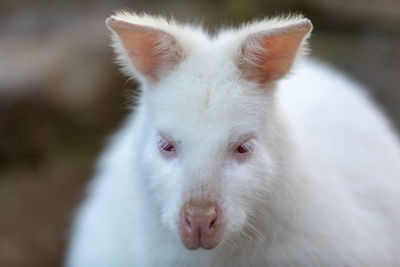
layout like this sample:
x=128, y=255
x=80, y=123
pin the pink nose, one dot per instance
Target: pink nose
x=200, y=225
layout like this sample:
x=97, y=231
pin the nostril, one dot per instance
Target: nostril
x=187, y=222
x=212, y=223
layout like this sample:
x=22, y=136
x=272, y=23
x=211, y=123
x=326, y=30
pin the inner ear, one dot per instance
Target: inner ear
x=268, y=55
x=151, y=52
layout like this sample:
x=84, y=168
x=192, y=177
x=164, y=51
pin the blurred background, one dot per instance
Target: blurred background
x=61, y=95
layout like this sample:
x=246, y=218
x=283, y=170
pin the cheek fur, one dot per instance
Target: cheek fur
x=163, y=180
x=170, y=212
x=165, y=193
x=246, y=187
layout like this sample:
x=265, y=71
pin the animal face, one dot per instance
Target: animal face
x=210, y=148
x=207, y=147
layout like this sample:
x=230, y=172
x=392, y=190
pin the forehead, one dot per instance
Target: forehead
x=204, y=96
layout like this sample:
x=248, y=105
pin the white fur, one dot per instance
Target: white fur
x=322, y=187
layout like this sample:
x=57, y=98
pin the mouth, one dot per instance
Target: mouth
x=194, y=239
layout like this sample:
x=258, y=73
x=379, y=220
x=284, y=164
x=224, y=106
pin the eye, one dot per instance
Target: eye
x=245, y=147
x=165, y=145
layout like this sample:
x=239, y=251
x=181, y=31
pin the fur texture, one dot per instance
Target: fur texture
x=320, y=188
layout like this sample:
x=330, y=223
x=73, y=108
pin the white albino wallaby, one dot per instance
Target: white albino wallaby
x=229, y=161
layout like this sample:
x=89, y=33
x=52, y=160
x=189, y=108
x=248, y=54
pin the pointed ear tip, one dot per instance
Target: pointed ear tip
x=307, y=24
x=113, y=22
x=110, y=21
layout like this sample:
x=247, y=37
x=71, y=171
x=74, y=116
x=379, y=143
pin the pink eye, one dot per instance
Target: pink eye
x=165, y=145
x=166, y=148
x=242, y=149
x=245, y=147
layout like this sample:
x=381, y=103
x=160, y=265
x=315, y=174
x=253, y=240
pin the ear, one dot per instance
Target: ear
x=268, y=55
x=144, y=51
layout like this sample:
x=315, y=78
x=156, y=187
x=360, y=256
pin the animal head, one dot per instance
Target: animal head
x=210, y=148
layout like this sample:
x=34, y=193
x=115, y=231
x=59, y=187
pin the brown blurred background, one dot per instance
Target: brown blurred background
x=61, y=95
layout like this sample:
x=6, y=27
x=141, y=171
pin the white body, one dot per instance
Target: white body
x=337, y=203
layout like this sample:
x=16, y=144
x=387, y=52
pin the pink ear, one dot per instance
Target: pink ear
x=152, y=52
x=268, y=55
